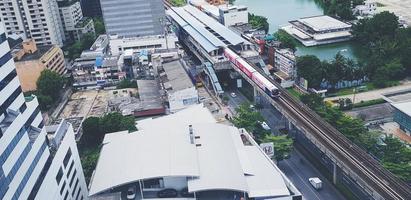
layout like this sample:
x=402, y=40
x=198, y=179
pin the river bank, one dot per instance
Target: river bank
x=279, y=12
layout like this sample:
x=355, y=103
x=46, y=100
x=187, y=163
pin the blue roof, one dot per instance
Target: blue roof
x=99, y=62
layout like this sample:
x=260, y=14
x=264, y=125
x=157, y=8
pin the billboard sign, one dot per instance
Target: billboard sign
x=268, y=148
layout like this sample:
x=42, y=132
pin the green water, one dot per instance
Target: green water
x=279, y=12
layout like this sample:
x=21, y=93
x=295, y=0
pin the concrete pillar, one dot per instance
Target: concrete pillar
x=290, y=126
x=335, y=167
x=255, y=95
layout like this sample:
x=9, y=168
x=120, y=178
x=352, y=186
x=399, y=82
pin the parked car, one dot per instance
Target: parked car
x=167, y=193
x=233, y=95
x=316, y=182
x=131, y=193
x=265, y=126
x=184, y=193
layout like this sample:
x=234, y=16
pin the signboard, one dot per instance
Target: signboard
x=239, y=83
x=268, y=148
x=304, y=83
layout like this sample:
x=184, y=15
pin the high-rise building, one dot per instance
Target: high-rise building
x=91, y=8
x=129, y=18
x=36, y=161
x=74, y=24
x=33, y=19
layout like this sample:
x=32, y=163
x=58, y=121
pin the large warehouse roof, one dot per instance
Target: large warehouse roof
x=214, y=156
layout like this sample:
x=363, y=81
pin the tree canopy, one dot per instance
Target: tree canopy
x=287, y=41
x=250, y=120
x=49, y=86
x=258, y=22
x=392, y=152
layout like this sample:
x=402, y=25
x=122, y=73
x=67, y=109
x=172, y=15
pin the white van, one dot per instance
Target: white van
x=316, y=182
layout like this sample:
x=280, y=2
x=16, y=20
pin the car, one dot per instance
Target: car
x=316, y=182
x=184, y=193
x=233, y=95
x=131, y=193
x=167, y=193
x=265, y=126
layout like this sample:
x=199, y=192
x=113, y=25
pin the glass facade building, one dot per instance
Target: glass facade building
x=131, y=18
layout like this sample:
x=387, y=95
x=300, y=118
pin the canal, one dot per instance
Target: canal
x=279, y=12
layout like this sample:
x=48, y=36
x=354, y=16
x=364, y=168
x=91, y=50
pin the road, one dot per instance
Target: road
x=296, y=168
x=373, y=94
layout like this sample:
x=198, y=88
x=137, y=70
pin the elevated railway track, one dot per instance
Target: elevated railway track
x=377, y=181
x=353, y=161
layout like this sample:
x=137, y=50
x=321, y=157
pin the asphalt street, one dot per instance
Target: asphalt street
x=297, y=168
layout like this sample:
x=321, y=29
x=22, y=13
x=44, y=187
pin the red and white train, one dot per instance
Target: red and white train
x=243, y=67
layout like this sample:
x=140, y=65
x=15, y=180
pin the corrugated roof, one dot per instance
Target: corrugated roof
x=222, y=30
x=198, y=26
x=204, y=42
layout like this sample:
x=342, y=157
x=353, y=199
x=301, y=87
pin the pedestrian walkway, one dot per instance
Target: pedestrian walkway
x=374, y=94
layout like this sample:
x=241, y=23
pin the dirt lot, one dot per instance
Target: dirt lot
x=85, y=103
x=399, y=7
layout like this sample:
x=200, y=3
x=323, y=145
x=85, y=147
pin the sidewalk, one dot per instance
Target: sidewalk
x=374, y=94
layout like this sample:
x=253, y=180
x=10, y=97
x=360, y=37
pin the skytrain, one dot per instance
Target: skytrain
x=243, y=66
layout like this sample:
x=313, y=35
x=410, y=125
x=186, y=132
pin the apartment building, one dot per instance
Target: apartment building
x=31, y=60
x=91, y=8
x=74, y=24
x=31, y=155
x=39, y=20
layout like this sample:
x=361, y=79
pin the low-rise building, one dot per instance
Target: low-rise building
x=177, y=85
x=193, y=156
x=369, y=8
x=31, y=60
x=318, y=30
x=228, y=15
x=402, y=115
x=149, y=43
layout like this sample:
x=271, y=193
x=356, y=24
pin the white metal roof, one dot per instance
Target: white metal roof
x=217, y=160
x=222, y=30
x=404, y=107
x=322, y=23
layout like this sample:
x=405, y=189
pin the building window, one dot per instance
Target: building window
x=72, y=178
x=62, y=188
x=67, y=157
x=59, y=175
x=70, y=168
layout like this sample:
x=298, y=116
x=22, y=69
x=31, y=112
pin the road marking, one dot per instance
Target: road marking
x=303, y=181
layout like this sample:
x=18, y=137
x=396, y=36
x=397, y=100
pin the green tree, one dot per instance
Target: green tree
x=283, y=146
x=99, y=26
x=310, y=68
x=400, y=170
x=287, y=41
x=92, y=134
x=388, y=72
x=49, y=84
x=370, y=30
x=45, y=102
x=127, y=83
x=250, y=120
x=258, y=22
x=115, y=121
x=314, y=101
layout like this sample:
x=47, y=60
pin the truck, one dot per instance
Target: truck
x=316, y=182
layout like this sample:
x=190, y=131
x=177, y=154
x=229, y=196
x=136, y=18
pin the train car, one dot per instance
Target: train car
x=265, y=85
x=245, y=67
x=231, y=55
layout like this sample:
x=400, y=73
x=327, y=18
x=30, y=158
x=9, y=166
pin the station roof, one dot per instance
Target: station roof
x=404, y=107
x=223, y=31
x=323, y=23
x=215, y=157
x=196, y=29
